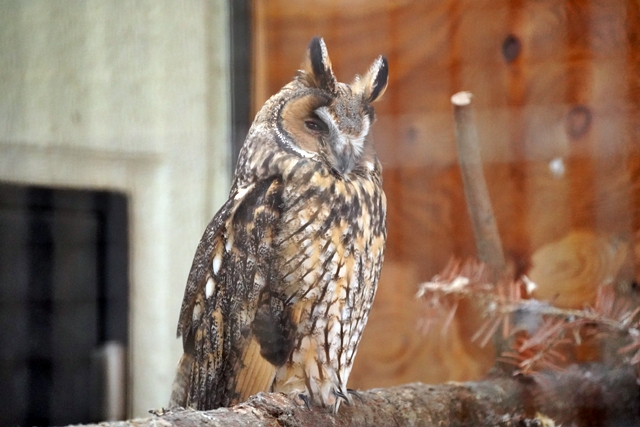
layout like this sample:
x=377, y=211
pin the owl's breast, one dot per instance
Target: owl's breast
x=329, y=223
x=331, y=246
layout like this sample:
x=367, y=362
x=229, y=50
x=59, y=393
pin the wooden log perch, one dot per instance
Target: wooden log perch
x=577, y=396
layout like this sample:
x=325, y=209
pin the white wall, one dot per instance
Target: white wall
x=130, y=96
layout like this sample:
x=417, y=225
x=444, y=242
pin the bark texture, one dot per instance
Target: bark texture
x=579, y=396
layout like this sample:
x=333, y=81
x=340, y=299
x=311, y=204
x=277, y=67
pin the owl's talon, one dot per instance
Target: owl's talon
x=305, y=399
x=343, y=396
x=355, y=393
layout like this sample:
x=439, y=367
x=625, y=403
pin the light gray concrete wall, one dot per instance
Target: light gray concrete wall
x=130, y=96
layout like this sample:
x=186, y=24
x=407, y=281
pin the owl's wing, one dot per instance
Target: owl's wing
x=231, y=267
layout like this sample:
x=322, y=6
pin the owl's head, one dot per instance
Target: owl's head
x=322, y=118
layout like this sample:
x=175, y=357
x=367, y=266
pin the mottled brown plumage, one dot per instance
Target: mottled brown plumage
x=285, y=274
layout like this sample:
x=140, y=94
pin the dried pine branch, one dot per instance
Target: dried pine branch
x=539, y=332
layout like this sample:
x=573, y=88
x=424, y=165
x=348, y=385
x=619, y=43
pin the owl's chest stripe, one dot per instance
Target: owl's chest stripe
x=322, y=297
x=303, y=227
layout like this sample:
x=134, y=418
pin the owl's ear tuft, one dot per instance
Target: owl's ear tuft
x=316, y=68
x=375, y=81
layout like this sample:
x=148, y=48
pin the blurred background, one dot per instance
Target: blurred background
x=120, y=123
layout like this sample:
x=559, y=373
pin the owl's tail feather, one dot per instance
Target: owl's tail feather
x=257, y=373
x=180, y=388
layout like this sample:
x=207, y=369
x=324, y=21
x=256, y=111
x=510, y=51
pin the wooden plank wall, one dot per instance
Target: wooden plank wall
x=556, y=87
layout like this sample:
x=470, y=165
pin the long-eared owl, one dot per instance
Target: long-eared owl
x=285, y=274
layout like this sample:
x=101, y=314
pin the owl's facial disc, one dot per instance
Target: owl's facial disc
x=334, y=128
x=302, y=124
x=344, y=145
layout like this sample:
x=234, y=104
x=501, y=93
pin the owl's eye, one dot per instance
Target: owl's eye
x=315, y=124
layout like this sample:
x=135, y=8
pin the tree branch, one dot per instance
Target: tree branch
x=578, y=396
x=485, y=227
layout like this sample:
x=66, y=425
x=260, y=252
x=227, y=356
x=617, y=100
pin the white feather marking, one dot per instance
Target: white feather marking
x=208, y=290
x=286, y=141
x=327, y=276
x=308, y=263
x=310, y=279
x=358, y=145
x=358, y=142
x=197, y=311
x=217, y=261
x=310, y=249
x=242, y=192
x=323, y=113
x=346, y=312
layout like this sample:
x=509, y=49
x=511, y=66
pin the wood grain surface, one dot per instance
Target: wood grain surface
x=557, y=96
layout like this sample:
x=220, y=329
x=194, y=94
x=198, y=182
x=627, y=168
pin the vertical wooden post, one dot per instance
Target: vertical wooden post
x=485, y=228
